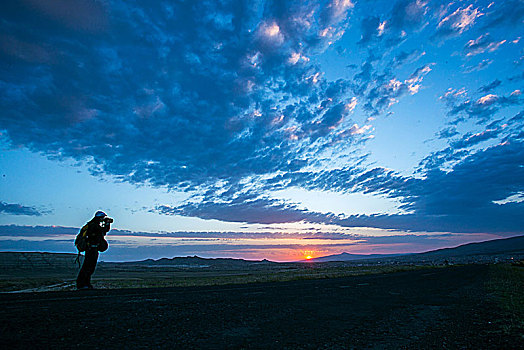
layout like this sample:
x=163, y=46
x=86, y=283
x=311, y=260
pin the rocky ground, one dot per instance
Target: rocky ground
x=446, y=308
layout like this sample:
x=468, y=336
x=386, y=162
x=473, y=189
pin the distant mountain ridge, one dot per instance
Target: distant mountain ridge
x=482, y=252
x=496, y=246
x=503, y=246
x=194, y=260
x=37, y=260
x=350, y=257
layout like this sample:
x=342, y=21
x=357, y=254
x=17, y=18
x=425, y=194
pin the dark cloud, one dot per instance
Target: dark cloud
x=517, y=77
x=461, y=199
x=126, y=249
x=478, y=67
x=370, y=29
x=225, y=100
x=405, y=57
x=36, y=231
x=381, y=89
x=447, y=132
x=456, y=21
x=442, y=158
x=484, y=43
x=18, y=209
x=223, y=85
x=481, y=109
x=408, y=14
x=491, y=86
x=387, y=89
x=470, y=140
x=507, y=13
x=262, y=211
x=79, y=15
x=519, y=117
x=61, y=231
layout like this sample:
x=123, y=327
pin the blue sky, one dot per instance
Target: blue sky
x=261, y=129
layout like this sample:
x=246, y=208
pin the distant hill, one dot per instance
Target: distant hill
x=484, y=252
x=505, y=247
x=350, y=257
x=498, y=246
x=10, y=261
x=195, y=261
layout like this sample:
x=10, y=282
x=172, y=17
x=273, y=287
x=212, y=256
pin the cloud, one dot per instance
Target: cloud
x=480, y=66
x=18, y=209
x=457, y=22
x=406, y=16
x=227, y=101
x=222, y=86
x=482, y=44
x=462, y=198
x=406, y=57
x=480, y=109
x=251, y=245
x=470, y=140
x=458, y=199
x=447, y=132
x=371, y=29
x=261, y=211
x=81, y=15
x=517, y=77
x=387, y=89
x=335, y=11
x=491, y=86
x=518, y=117
x=444, y=201
x=505, y=13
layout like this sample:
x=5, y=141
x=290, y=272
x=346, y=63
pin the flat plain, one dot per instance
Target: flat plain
x=454, y=307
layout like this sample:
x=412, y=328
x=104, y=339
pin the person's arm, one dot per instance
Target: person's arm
x=98, y=230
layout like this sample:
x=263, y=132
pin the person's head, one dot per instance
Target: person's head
x=100, y=215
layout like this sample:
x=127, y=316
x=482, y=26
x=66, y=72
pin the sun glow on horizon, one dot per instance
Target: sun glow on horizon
x=309, y=254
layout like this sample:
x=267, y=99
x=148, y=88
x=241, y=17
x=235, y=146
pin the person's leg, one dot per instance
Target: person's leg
x=88, y=267
x=81, y=280
x=91, y=258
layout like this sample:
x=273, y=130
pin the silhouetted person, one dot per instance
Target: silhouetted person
x=95, y=242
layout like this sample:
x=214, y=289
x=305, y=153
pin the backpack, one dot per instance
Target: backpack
x=81, y=239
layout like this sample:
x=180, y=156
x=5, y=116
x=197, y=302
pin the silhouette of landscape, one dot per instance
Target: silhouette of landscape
x=262, y=174
x=428, y=300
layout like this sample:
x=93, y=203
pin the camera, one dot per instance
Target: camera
x=106, y=222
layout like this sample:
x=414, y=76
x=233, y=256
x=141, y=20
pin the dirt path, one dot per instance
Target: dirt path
x=434, y=308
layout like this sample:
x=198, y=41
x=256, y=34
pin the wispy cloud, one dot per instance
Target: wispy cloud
x=491, y=86
x=405, y=17
x=231, y=101
x=219, y=88
x=457, y=22
x=249, y=245
x=505, y=13
x=483, y=43
x=385, y=90
x=479, y=66
x=18, y=209
x=481, y=108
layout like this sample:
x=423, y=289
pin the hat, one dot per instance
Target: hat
x=100, y=214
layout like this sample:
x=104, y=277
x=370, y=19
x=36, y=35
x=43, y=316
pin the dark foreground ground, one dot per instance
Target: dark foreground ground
x=442, y=308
